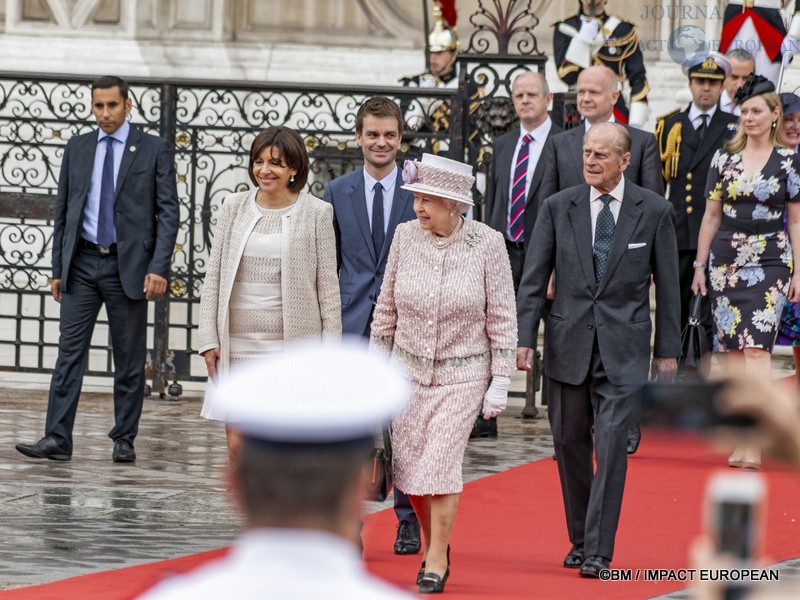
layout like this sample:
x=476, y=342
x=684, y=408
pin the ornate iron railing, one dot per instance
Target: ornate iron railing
x=210, y=125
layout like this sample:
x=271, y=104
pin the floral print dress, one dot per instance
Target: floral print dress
x=749, y=275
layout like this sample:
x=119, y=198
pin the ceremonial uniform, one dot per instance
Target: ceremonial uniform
x=686, y=152
x=615, y=45
x=758, y=27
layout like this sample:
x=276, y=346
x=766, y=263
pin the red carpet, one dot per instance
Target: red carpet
x=510, y=535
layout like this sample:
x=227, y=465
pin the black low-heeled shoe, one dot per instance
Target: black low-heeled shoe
x=421, y=573
x=432, y=583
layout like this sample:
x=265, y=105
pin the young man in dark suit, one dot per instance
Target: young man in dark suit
x=605, y=239
x=687, y=141
x=114, y=230
x=368, y=205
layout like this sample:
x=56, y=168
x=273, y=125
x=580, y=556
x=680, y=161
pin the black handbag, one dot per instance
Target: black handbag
x=380, y=483
x=693, y=340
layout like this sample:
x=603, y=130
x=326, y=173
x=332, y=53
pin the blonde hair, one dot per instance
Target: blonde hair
x=739, y=140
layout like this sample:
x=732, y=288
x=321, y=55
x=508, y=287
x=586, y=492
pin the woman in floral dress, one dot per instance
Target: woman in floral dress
x=743, y=246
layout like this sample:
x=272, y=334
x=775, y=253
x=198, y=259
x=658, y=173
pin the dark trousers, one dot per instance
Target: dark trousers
x=516, y=256
x=592, y=500
x=402, y=505
x=94, y=281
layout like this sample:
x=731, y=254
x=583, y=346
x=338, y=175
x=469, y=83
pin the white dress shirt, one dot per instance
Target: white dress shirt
x=534, y=154
x=727, y=105
x=695, y=115
x=596, y=205
x=388, y=184
x=588, y=125
x=286, y=564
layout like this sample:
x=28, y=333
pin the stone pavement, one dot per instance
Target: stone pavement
x=59, y=520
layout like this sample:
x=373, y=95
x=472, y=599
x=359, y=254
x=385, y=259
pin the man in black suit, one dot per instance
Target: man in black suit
x=605, y=239
x=516, y=169
x=563, y=154
x=114, y=230
x=687, y=141
x=363, y=238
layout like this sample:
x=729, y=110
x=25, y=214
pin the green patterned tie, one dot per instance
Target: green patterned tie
x=603, y=234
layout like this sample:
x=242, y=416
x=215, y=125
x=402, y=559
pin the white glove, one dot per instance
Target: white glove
x=496, y=397
x=789, y=45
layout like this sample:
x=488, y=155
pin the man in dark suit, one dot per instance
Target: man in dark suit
x=114, y=230
x=687, y=141
x=516, y=169
x=605, y=239
x=368, y=205
x=563, y=154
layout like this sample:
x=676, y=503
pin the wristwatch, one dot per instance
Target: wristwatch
x=699, y=265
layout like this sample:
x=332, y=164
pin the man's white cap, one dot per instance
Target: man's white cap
x=321, y=394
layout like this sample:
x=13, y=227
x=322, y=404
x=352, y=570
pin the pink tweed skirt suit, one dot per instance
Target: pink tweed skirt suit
x=447, y=317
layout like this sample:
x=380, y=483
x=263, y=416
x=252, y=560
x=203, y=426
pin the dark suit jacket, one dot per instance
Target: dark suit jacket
x=499, y=181
x=360, y=271
x=145, y=208
x=563, y=162
x=618, y=310
x=687, y=188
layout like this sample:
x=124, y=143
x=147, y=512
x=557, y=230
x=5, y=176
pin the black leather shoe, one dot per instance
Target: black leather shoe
x=421, y=573
x=634, y=437
x=407, y=540
x=592, y=566
x=484, y=428
x=44, y=448
x=432, y=583
x=123, y=452
x=574, y=559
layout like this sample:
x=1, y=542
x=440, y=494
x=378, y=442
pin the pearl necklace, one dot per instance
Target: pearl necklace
x=449, y=239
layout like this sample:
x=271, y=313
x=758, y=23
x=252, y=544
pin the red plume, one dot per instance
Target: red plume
x=449, y=13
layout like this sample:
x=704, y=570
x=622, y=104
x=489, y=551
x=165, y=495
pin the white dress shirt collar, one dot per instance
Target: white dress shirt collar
x=695, y=112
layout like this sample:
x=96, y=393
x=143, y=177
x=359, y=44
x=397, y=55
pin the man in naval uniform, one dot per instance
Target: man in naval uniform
x=300, y=477
x=687, y=141
x=592, y=37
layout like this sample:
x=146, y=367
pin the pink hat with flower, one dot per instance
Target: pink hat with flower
x=439, y=176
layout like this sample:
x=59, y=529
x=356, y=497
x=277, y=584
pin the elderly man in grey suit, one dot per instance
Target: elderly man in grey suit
x=562, y=155
x=605, y=239
x=368, y=204
x=116, y=220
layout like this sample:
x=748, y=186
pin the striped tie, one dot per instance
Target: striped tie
x=516, y=220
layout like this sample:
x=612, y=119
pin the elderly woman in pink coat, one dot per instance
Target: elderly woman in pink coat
x=446, y=315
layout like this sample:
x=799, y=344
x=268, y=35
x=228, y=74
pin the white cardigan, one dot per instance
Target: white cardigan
x=309, y=282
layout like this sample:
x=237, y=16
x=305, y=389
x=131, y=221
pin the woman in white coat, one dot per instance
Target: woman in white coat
x=272, y=276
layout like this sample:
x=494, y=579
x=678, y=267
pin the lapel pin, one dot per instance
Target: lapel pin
x=132, y=148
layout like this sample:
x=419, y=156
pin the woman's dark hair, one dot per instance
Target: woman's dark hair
x=291, y=151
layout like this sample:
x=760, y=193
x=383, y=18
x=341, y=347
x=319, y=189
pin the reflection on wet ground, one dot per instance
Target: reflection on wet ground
x=59, y=520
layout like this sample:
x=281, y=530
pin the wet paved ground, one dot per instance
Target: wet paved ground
x=59, y=520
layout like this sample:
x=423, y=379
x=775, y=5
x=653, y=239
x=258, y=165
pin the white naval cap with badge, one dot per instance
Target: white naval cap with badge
x=314, y=395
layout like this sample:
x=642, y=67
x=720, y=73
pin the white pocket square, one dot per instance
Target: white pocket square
x=635, y=246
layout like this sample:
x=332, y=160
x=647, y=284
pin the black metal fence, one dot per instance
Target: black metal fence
x=210, y=125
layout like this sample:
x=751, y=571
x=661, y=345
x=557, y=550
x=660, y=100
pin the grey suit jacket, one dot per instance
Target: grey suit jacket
x=563, y=162
x=145, y=208
x=360, y=270
x=499, y=180
x=617, y=311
